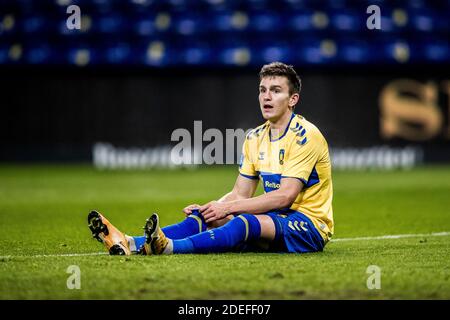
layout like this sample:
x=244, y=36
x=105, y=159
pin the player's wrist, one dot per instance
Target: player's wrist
x=233, y=207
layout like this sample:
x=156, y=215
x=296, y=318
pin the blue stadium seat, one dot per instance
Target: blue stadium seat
x=354, y=51
x=189, y=24
x=82, y=55
x=316, y=51
x=182, y=5
x=426, y=20
x=268, y=51
x=307, y=20
x=9, y=24
x=119, y=53
x=435, y=50
x=396, y=51
x=38, y=52
x=233, y=53
x=213, y=5
x=156, y=53
x=151, y=23
x=34, y=24
x=347, y=20
x=258, y=5
x=296, y=4
x=265, y=21
x=223, y=32
x=7, y=56
x=227, y=21
x=141, y=5
x=195, y=53
x=110, y=23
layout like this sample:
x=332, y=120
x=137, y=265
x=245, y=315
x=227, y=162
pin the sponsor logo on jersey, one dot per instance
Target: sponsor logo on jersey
x=272, y=185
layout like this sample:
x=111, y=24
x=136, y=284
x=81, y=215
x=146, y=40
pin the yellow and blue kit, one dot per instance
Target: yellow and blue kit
x=301, y=152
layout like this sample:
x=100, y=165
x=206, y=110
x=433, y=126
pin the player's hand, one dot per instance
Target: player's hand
x=188, y=210
x=214, y=210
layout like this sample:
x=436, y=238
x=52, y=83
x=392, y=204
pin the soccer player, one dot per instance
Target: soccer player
x=289, y=155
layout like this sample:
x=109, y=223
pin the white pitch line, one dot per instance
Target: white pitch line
x=58, y=255
x=395, y=236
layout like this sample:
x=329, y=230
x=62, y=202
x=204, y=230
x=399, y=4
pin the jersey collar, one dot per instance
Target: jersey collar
x=285, y=131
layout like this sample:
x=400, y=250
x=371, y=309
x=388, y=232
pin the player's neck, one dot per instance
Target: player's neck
x=278, y=127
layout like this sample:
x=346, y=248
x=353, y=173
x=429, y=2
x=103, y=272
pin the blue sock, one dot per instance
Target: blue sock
x=242, y=228
x=139, y=242
x=193, y=224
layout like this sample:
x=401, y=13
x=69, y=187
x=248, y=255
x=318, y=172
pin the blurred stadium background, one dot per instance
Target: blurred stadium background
x=113, y=91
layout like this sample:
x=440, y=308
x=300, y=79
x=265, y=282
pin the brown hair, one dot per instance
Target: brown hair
x=283, y=70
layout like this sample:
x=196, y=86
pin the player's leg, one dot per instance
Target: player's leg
x=241, y=229
x=102, y=230
x=193, y=224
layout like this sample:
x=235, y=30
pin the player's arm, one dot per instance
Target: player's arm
x=244, y=188
x=277, y=199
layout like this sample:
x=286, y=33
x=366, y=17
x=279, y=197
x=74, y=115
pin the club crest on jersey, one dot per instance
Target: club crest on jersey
x=261, y=156
x=281, y=156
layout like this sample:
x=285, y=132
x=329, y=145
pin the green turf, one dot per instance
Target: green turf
x=43, y=212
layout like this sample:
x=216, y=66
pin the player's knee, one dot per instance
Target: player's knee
x=251, y=225
x=219, y=223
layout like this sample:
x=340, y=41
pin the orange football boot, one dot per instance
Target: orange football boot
x=106, y=233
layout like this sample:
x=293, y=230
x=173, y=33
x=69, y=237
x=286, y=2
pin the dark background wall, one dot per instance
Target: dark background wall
x=58, y=114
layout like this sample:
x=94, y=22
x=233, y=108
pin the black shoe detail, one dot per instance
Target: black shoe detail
x=151, y=224
x=150, y=227
x=116, y=250
x=96, y=225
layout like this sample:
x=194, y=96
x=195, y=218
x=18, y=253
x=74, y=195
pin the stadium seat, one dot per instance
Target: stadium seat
x=117, y=53
x=426, y=20
x=199, y=53
x=234, y=53
x=265, y=52
x=354, y=51
x=189, y=24
x=265, y=21
x=151, y=23
x=347, y=20
x=227, y=21
x=307, y=20
x=224, y=32
x=316, y=51
x=435, y=50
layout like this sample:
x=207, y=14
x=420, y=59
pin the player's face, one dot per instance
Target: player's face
x=274, y=97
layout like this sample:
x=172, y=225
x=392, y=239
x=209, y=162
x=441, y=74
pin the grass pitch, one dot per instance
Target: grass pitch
x=43, y=213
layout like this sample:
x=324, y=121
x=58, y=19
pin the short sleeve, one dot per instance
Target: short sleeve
x=302, y=158
x=246, y=164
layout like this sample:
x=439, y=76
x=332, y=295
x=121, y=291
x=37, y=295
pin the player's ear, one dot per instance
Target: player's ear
x=293, y=100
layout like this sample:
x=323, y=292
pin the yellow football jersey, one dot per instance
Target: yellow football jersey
x=300, y=152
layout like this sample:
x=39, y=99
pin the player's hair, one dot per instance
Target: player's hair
x=283, y=70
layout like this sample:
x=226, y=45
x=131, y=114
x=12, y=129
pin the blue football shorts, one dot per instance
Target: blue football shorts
x=295, y=232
